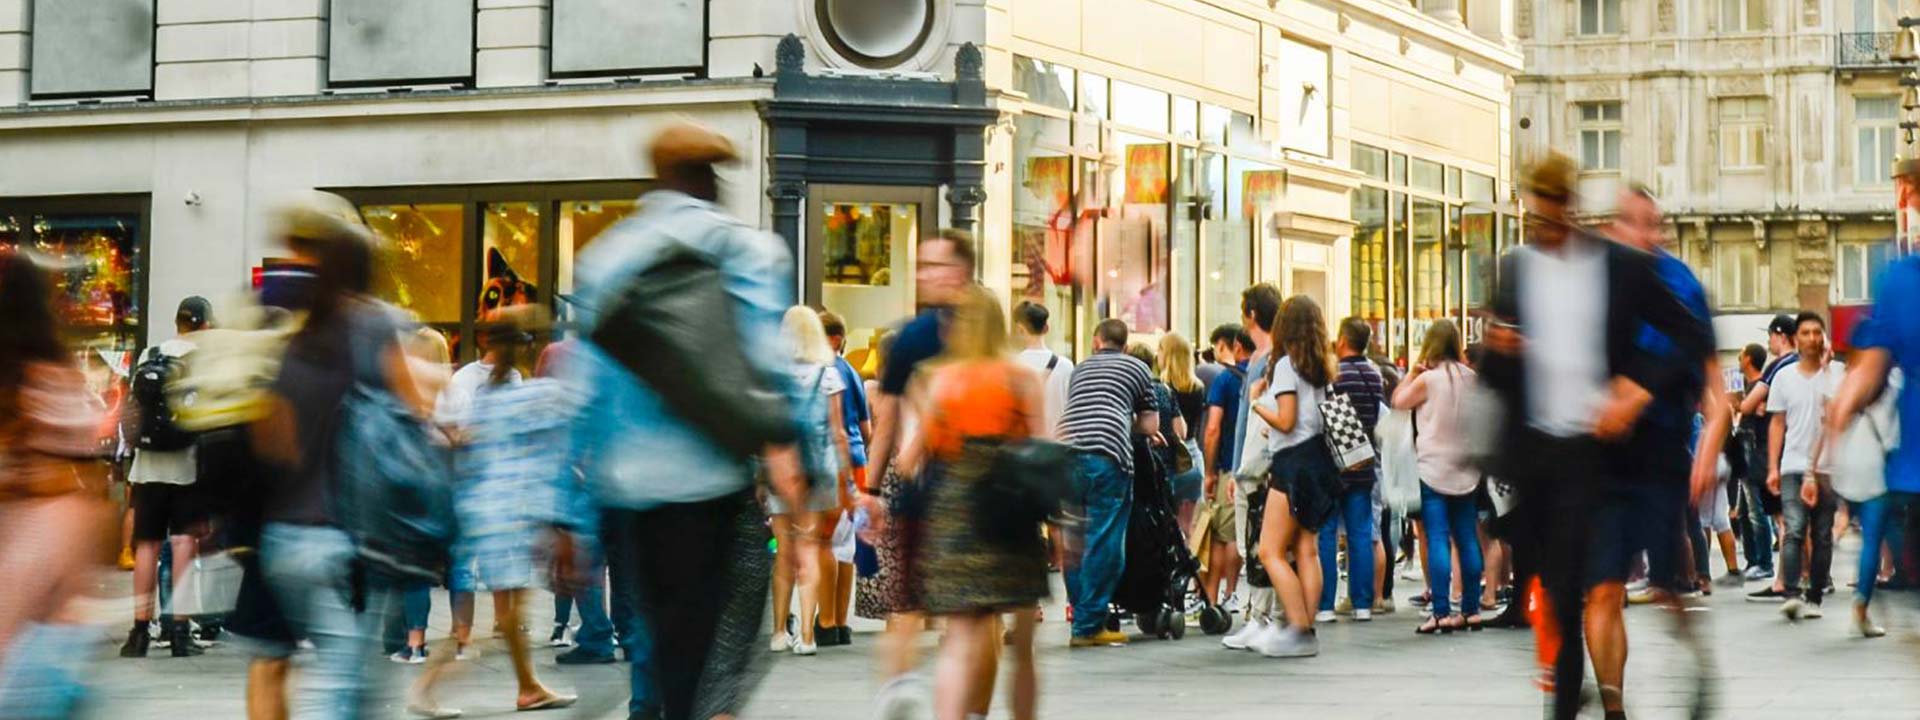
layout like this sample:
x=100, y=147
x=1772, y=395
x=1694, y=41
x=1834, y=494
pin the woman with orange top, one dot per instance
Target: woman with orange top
x=55, y=529
x=975, y=401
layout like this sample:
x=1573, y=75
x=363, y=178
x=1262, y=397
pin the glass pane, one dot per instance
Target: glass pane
x=1044, y=83
x=96, y=295
x=1370, y=160
x=580, y=222
x=1370, y=260
x=1041, y=129
x=1611, y=158
x=1425, y=175
x=1878, y=255
x=1186, y=118
x=1852, y=272
x=1476, y=233
x=1477, y=188
x=1398, y=170
x=510, y=240
x=1139, y=107
x=1453, y=182
x=1610, y=16
x=1397, y=313
x=1186, y=245
x=1429, y=268
x=1589, y=16
x=1213, y=123
x=1093, y=95
x=426, y=255
x=1226, y=264
x=1043, y=234
x=1133, y=243
x=865, y=252
x=1243, y=134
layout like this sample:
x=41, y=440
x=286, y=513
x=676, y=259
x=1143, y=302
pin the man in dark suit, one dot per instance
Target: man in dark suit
x=1573, y=381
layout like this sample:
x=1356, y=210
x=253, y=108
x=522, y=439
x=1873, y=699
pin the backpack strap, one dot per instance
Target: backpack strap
x=1053, y=361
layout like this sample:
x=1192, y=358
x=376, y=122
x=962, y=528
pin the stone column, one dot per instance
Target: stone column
x=289, y=48
x=202, y=49
x=1445, y=10
x=510, y=41
x=1812, y=264
x=15, y=37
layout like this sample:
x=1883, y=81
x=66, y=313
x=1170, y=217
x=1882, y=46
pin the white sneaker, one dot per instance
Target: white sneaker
x=1362, y=615
x=781, y=642
x=805, y=648
x=1325, y=616
x=465, y=653
x=1290, y=644
x=1812, y=612
x=1269, y=634
x=1791, y=609
x=1237, y=640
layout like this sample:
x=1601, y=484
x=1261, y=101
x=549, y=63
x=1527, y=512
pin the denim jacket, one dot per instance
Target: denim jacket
x=633, y=451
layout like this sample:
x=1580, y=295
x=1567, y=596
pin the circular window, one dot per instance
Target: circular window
x=875, y=33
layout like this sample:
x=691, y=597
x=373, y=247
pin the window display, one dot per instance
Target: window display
x=1370, y=261
x=1043, y=224
x=1132, y=283
x=96, y=258
x=581, y=221
x=510, y=237
x=857, y=242
x=424, y=259
x=1429, y=264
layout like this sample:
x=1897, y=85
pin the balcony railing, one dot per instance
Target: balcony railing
x=1866, y=50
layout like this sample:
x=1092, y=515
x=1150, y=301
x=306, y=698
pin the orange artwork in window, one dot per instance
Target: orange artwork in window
x=1146, y=174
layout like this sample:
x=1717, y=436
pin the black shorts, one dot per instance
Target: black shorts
x=161, y=510
x=1637, y=516
x=1305, y=473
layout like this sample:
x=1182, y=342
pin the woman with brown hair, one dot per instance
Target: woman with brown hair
x=1447, y=482
x=54, y=526
x=1302, y=480
x=975, y=401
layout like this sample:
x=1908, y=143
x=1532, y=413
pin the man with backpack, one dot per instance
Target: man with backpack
x=167, y=507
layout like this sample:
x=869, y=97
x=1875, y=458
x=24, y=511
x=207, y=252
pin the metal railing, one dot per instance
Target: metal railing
x=1865, y=49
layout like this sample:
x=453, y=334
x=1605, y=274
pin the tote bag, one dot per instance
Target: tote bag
x=1255, y=456
x=1858, y=461
x=1346, y=436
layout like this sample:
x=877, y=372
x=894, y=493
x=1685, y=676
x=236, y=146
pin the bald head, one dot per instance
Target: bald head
x=1637, y=220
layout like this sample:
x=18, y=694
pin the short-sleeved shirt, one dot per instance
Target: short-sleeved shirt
x=1894, y=326
x=1056, y=379
x=1803, y=398
x=853, y=409
x=1307, y=420
x=1672, y=410
x=321, y=365
x=1757, y=422
x=1257, y=367
x=1225, y=393
x=1360, y=381
x=917, y=342
x=1107, y=391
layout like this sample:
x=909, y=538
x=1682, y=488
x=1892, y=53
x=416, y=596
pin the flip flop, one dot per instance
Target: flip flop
x=550, y=702
x=433, y=712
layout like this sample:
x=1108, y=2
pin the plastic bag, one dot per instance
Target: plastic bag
x=1857, y=460
x=1399, y=468
x=843, y=539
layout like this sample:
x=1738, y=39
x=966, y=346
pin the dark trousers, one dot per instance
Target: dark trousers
x=684, y=561
x=1559, y=481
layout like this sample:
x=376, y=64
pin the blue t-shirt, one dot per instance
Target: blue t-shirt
x=1894, y=325
x=853, y=408
x=917, y=342
x=1224, y=393
x=1673, y=407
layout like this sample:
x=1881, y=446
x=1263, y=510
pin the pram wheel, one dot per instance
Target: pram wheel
x=1214, y=620
x=1113, y=621
x=1149, y=623
x=1173, y=623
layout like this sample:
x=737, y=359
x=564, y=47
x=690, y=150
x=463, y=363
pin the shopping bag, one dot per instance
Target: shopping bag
x=1202, y=530
x=1399, y=468
x=1857, y=460
x=211, y=586
x=843, y=539
x=1255, y=456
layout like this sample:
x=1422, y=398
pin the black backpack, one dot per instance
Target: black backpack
x=150, y=379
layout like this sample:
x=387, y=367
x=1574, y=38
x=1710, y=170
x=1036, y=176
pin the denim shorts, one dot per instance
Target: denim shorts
x=1305, y=473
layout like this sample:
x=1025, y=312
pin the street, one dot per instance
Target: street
x=1767, y=669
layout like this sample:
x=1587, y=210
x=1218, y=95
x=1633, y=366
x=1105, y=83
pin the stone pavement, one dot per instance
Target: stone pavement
x=1768, y=669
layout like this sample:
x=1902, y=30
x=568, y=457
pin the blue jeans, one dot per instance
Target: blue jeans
x=1451, y=521
x=1759, y=536
x=1875, y=527
x=1106, y=492
x=1354, y=513
x=597, y=629
x=309, y=569
x=416, y=604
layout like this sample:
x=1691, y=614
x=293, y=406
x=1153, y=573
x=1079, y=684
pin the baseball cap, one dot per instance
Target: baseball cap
x=1782, y=324
x=194, y=310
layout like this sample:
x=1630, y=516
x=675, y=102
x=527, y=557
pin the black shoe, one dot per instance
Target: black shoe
x=181, y=635
x=137, y=642
x=579, y=656
x=208, y=632
x=1767, y=595
x=845, y=633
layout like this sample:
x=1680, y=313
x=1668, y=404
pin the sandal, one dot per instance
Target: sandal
x=1432, y=626
x=552, y=701
x=1454, y=623
x=1474, y=624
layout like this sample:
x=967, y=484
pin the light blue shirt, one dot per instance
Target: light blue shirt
x=634, y=452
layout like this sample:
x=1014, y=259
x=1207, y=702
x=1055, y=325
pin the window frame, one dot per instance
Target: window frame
x=1858, y=287
x=1732, y=255
x=1747, y=22
x=1746, y=128
x=1608, y=132
x=1606, y=18
x=1881, y=178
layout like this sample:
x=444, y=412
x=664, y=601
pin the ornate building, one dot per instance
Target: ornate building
x=1767, y=129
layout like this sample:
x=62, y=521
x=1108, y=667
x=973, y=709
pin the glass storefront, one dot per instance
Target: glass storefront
x=453, y=255
x=1425, y=245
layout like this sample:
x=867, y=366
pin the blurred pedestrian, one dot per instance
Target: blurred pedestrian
x=836, y=578
x=1111, y=397
x=977, y=399
x=55, y=531
x=1435, y=393
x=508, y=499
x=799, y=532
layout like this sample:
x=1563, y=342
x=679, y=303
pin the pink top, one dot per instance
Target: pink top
x=1440, y=440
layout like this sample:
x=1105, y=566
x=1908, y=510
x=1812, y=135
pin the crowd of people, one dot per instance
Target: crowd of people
x=1583, y=454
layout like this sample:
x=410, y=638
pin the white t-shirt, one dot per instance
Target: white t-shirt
x=1566, y=370
x=804, y=377
x=170, y=467
x=1804, y=399
x=456, y=399
x=1307, y=422
x=1056, y=382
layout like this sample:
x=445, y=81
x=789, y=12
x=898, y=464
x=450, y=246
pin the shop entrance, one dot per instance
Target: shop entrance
x=859, y=253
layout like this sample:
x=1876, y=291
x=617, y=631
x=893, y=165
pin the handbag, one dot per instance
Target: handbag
x=211, y=587
x=1255, y=457
x=1186, y=456
x=1346, y=436
x=660, y=328
x=1028, y=482
x=1399, y=467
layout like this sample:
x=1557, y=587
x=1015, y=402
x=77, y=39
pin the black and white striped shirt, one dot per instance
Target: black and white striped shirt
x=1106, y=392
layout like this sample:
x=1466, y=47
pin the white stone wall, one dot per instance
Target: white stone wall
x=15, y=48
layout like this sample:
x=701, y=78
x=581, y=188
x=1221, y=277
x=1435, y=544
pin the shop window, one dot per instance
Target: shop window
x=1398, y=270
x=1093, y=95
x=1426, y=175
x=426, y=255
x=1254, y=193
x=1861, y=264
x=1476, y=188
x=96, y=297
x=1743, y=133
x=88, y=48
x=1043, y=225
x=1226, y=253
x=1599, y=17
x=1188, y=183
x=1600, y=136
x=580, y=222
x=858, y=245
x=1736, y=274
x=1186, y=119
x=1133, y=255
x=1427, y=223
x=1213, y=123
x=1139, y=107
x=1453, y=182
x=1397, y=169
x=1876, y=122
x=1244, y=134
x=1370, y=161
x=1477, y=237
x=1045, y=83
x=510, y=241
x=611, y=37
x=1370, y=253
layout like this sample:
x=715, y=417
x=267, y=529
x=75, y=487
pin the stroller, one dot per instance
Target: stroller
x=1159, y=569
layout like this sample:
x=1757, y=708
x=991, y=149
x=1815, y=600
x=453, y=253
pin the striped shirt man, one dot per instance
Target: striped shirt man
x=1361, y=383
x=1106, y=393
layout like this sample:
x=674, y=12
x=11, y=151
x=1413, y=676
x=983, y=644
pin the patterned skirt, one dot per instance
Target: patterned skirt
x=965, y=570
x=895, y=588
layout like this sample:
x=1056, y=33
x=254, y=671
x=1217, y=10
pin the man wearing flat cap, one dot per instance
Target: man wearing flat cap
x=680, y=520
x=1572, y=381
